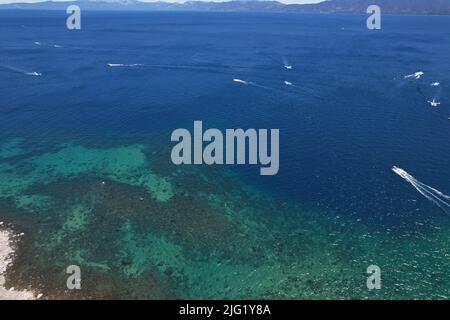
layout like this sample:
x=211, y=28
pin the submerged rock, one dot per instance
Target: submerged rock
x=127, y=262
x=169, y=271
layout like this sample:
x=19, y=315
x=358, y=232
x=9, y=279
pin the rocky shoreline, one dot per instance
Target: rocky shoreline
x=7, y=239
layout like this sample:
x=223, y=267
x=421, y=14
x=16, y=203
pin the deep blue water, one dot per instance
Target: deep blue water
x=350, y=117
x=339, y=137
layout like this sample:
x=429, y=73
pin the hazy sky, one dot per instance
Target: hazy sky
x=284, y=1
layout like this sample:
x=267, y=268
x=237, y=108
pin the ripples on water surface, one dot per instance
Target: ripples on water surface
x=85, y=170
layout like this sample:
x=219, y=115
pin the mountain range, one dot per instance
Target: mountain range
x=411, y=7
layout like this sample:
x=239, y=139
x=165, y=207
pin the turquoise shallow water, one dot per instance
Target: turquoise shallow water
x=85, y=167
x=137, y=233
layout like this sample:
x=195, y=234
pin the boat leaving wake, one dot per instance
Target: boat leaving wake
x=18, y=70
x=416, y=75
x=34, y=73
x=240, y=81
x=437, y=197
x=251, y=83
x=115, y=65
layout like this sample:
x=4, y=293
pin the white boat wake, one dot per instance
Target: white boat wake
x=34, y=73
x=116, y=65
x=18, y=70
x=415, y=75
x=241, y=81
x=286, y=64
x=434, y=103
x=434, y=195
x=424, y=90
x=250, y=83
x=286, y=83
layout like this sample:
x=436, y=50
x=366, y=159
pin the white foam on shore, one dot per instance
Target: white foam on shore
x=6, y=253
x=435, y=196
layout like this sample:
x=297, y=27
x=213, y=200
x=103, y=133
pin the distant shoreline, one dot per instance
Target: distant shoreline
x=219, y=11
x=388, y=7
